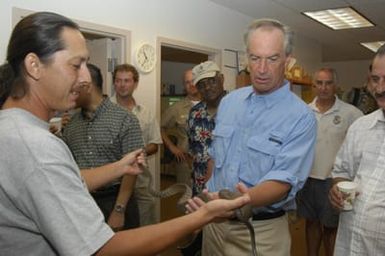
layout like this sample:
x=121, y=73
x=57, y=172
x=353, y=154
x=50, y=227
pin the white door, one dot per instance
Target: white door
x=106, y=54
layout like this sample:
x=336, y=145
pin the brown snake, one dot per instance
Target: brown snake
x=177, y=188
x=242, y=214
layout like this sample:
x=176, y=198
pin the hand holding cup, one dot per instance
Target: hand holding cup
x=348, y=190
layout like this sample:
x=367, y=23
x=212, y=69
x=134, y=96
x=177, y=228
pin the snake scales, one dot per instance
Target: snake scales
x=177, y=188
x=242, y=214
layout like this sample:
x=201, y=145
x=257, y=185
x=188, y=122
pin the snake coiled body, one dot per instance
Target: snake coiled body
x=177, y=188
x=242, y=214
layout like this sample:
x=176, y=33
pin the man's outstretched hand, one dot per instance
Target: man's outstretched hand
x=219, y=209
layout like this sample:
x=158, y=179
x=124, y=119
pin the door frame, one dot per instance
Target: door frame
x=99, y=30
x=212, y=53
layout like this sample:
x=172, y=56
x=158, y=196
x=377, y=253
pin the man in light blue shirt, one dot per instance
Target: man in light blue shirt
x=264, y=138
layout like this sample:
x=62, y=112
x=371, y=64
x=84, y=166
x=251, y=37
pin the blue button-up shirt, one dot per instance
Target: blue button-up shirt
x=263, y=137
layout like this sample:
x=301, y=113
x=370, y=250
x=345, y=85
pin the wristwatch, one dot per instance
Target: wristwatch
x=119, y=208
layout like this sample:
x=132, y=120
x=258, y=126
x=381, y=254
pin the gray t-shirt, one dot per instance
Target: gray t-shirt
x=45, y=208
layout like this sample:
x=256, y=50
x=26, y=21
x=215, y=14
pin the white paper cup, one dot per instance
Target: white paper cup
x=56, y=121
x=348, y=189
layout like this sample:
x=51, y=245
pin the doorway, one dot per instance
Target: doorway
x=175, y=58
x=174, y=62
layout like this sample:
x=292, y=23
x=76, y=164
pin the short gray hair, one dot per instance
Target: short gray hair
x=332, y=71
x=287, y=33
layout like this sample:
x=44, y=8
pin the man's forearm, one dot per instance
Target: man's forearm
x=166, y=140
x=101, y=176
x=126, y=188
x=268, y=192
x=151, y=149
x=153, y=239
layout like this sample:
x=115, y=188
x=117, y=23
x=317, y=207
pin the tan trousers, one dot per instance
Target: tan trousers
x=232, y=238
x=146, y=205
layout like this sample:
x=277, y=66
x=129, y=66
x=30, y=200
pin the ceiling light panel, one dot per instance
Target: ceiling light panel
x=373, y=46
x=341, y=18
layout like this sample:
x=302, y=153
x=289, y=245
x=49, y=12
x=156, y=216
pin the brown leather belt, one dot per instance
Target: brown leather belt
x=268, y=215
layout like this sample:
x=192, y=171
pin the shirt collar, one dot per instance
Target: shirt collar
x=25, y=116
x=378, y=117
x=137, y=109
x=336, y=106
x=101, y=108
x=113, y=99
x=269, y=99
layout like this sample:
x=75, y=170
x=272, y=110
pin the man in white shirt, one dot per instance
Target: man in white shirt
x=126, y=79
x=334, y=118
x=362, y=159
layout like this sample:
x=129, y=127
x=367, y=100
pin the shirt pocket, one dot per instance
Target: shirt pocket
x=261, y=154
x=222, y=135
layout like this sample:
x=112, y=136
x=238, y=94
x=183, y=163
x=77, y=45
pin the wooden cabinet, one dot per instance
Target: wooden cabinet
x=303, y=88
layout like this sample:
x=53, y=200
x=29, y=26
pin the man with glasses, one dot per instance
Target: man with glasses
x=334, y=118
x=209, y=82
x=201, y=121
x=264, y=138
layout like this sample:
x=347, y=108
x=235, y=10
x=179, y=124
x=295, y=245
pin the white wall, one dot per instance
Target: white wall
x=308, y=53
x=200, y=22
x=177, y=19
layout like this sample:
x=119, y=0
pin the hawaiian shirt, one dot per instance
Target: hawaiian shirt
x=199, y=129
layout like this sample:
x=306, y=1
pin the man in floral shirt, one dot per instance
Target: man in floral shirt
x=209, y=82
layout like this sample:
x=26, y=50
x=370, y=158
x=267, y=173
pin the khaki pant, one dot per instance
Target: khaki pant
x=146, y=205
x=232, y=238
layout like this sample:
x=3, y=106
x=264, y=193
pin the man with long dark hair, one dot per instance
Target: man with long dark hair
x=45, y=208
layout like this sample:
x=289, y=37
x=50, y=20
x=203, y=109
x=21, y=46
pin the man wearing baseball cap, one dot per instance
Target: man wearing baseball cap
x=201, y=121
x=209, y=81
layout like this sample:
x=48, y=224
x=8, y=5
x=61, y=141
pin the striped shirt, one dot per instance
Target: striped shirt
x=362, y=159
x=105, y=137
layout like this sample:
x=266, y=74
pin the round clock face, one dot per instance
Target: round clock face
x=146, y=58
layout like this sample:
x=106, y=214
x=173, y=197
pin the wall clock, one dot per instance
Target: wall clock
x=145, y=58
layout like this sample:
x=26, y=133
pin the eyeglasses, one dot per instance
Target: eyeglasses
x=211, y=81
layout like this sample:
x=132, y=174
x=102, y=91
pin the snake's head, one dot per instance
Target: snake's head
x=243, y=213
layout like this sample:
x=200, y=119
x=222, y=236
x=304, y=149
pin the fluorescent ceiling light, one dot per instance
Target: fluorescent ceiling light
x=373, y=46
x=341, y=18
